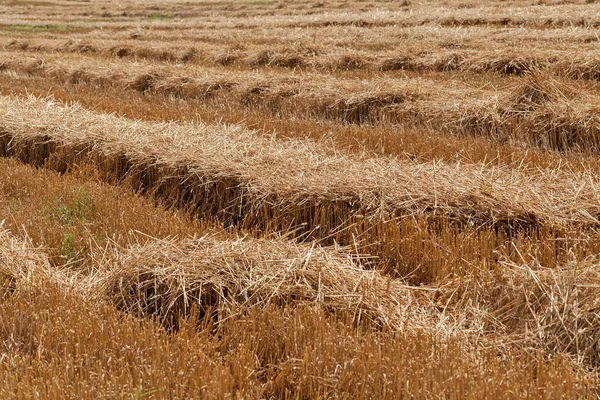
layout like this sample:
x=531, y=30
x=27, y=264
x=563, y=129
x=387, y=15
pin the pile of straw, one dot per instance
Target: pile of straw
x=168, y=280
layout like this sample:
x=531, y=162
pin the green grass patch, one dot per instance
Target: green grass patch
x=140, y=393
x=161, y=17
x=70, y=249
x=23, y=27
x=36, y=28
x=73, y=214
x=79, y=210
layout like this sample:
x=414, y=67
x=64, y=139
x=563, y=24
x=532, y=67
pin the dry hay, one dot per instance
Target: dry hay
x=23, y=267
x=535, y=307
x=263, y=185
x=274, y=318
x=565, y=112
x=561, y=123
x=504, y=60
x=537, y=91
x=233, y=172
x=168, y=280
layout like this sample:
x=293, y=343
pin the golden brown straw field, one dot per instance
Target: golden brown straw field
x=265, y=199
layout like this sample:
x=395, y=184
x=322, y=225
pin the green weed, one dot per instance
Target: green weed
x=161, y=17
x=79, y=210
x=139, y=394
x=36, y=28
x=69, y=249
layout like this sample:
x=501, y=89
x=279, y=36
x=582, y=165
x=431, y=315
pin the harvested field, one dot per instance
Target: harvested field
x=277, y=199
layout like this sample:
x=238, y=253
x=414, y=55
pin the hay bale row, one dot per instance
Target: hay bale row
x=508, y=62
x=172, y=280
x=319, y=59
x=564, y=124
x=168, y=280
x=298, y=187
x=287, y=173
x=556, y=309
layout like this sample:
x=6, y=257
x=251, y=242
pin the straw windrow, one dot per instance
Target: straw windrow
x=564, y=124
x=535, y=306
x=291, y=186
x=261, y=171
x=168, y=280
